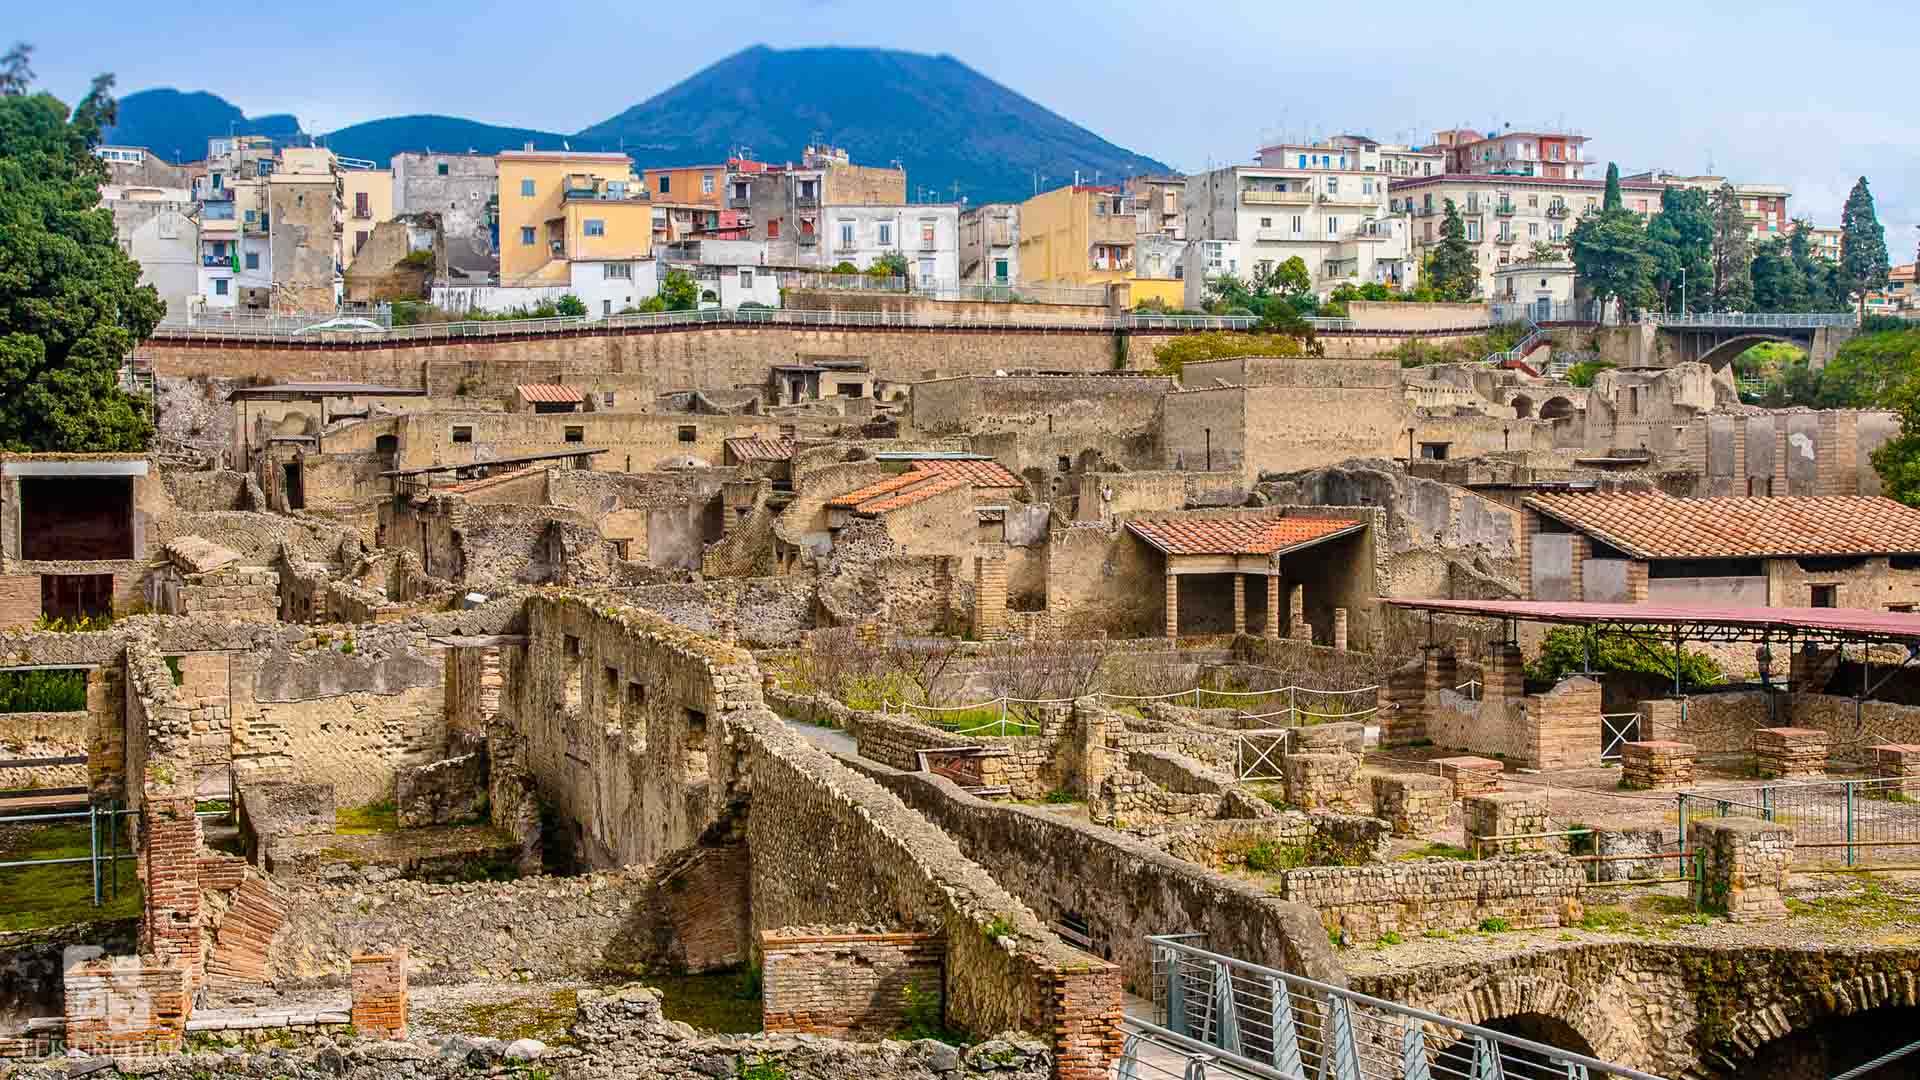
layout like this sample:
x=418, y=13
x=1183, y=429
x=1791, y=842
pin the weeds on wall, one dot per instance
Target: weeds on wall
x=42, y=691
x=77, y=624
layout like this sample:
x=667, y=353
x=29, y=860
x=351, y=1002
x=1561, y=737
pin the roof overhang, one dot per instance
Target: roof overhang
x=74, y=468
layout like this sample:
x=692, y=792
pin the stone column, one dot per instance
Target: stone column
x=380, y=994
x=1743, y=867
x=1173, y=603
x=1503, y=677
x=169, y=857
x=1239, y=603
x=1340, y=629
x=1297, y=627
x=1272, y=629
x=990, y=592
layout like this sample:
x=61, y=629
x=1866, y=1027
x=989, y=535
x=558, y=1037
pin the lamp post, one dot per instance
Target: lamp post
x=1683, y=290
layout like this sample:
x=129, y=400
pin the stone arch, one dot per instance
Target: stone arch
x=1722, y=354
x=1556, y=408
x=1599, y=1021
x=1522, y=406
x=1750, y=1031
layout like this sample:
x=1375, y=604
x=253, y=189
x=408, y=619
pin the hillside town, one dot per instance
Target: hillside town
x=1380, y=612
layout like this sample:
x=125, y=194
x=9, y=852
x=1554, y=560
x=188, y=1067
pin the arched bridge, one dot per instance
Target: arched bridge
x=1715, y=338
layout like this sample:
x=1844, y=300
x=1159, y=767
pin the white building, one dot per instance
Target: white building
x=928, y=234
x=611, y=285
x=1323, y=203
x=158, y=228
x=731, y=272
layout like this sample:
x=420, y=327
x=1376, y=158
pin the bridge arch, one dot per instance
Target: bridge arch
x=1722, y=354
x=1546, y=1009
x=1557, y=407
x=1847, y=1012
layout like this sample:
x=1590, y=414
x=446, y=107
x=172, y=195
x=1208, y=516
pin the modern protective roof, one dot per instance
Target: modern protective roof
x=1237, y=536
x=1695, y=623
x=1658, y=526
x=760, y=448
x=552, y=392
x=302, y=391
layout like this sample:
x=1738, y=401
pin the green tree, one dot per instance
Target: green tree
x=1680, y=239
x=1778, y=284
x=1582, y=373
x=679, y=292
x=891, y=264
x=1732, y=252
x=571, y=305
x=844, y=267
x=1451, y=269
x=71, y=304
x=1866, y=371
x=1610, y=250
x=1171, y=358
x=1611, y=199
x=1898, y=459
x=1566, y=650
x=1863, y=246
x=16, y=70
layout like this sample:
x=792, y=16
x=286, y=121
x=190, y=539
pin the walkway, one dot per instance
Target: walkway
x=832, y=740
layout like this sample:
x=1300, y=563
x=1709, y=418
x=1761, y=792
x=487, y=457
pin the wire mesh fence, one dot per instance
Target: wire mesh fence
x=1845, y=822
x=1242, y=1019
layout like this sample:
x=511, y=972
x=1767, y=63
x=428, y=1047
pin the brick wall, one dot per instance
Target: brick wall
x=848, y=985
x=126, y=1007
x=380, y=994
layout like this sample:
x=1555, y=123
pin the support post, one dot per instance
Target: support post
x=1239, y=604
x=1173, y=604
x=1272, y=629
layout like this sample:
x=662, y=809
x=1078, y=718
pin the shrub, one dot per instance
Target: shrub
x=42, y=691
x=1494, y=924
x=570, y=305
x=1565, y=650
x=417, y=260
x=1267, y=857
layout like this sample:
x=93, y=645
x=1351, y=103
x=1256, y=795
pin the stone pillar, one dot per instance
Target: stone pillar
x=1272, y=629
x=1664, y=720
x=1656, y=763
x=1898, y=763
x=170, y=861
x=1505, y=813
x=1790, y=753
x=1239, y=603
x=1173, y=603
x=1340, y=629
x=1742, y=867
x=380, y=994
x=1090, y=730
x=1413, y=805
x=1297, y=627
x=990, y=592
x=1470, y=775
x=1503, y=677
x=1321, y=780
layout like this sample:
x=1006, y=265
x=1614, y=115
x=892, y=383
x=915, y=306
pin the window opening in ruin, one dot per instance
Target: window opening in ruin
x=295, y=490
x=696, y=745
x=1903, y=562
x=76, y=517
x=610, y=694
x=850, y=390
x=462, y=434
x=787, y=431
x=623, y=547
x=1066, y=463
x=76, y=596
x=576, y=434
x=1826, y=596
x=571, y=652
x=688, y=433
x=634, y=717
x=1433, y=451
x=388, y=445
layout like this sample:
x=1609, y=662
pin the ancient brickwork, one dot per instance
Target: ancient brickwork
x=1789, y=753
x=1519, y=814
x=1439, y=894
x=245, y=935
x=380, y=994
x=1414, y=805
x=1321, y=780
x=247, y=592
x=126, y=1007
x=1470, y=775
x=1323, y=836
x=1901, y=762
x=45, y=735
x=1656, y=763
x=847, y=985
x=1743, y=867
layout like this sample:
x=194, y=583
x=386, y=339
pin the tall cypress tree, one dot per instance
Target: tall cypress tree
x=1451, y=270
x=1613, y=199
x=1863, y=245
x=1732, y=252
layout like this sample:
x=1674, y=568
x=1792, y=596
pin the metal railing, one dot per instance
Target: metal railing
x=1615, y=729
x=1507, y=311
x=1535, y=337
x=1852, y=822
x=1756, y=319
x=104, y=856
x=1232, y=1017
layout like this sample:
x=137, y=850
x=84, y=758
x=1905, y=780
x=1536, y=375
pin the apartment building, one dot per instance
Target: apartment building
x=1900, y=297
x=1324, y=203
x=306, y=210
x=159, y=227
x=926, y=234
x=1158, y=204
x=782, y=206
x=1825, y=243
x=271, y=223
x=136, y=166
x=990, y=244
x=1546, y=154
x=1764, y=205
x=368, y=194
x=558, y=207
x=463, y=190
x=1082, y=234
x=691, y=185
x=1505, y=216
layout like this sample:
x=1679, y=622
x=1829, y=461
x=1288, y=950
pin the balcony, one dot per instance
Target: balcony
x=1559, y=210
x=1353, y=199
x=806, y=200
x=1504, y=240
x=1504, y=209
x=1277, y=235
x=739, y=202
x=1276, y=198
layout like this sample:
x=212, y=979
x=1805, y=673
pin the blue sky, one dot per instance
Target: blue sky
x=1808, y=95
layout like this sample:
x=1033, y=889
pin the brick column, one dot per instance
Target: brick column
x=1505, y=813
x=1582, y=550
x=1529, y=528
x=1173, y=603
x=990, y=593
x=1297, y=627
x=1272, y=629
x=380, y=994
x=1086, y=1006
x=1656, y=763
x=1743, y=867
x=1340, y=629
x=1503, y=677
x=170, y=861
x=1239, y=603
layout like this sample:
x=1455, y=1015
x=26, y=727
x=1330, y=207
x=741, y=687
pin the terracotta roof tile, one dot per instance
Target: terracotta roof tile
x=1658, y=526
x=552, y=392
x=917, y=493
x=875, y=490
x=1233, y=536
x=985, y=474
x=760, y=448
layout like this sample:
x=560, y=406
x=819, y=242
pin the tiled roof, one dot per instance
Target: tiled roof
x=760, y=448
x=553, y=392
x=986, y=474
x=1657, y=526
x=875, y=490
x=928, y=489
x=1234, y=536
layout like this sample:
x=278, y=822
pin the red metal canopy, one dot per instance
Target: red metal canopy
x=1696, y=624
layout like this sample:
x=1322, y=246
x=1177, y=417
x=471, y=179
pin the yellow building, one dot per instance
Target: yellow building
x=556, y=207
x=369, y=198
x=1077, y=235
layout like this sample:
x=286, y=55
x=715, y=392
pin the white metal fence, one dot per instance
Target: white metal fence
x=1293, y=706
x=1218, y=1016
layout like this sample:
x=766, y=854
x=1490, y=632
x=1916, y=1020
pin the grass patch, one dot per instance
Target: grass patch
x=545, y=1017
x=1873, y=906
x=375, y=817
x=32, y=897
x=1494, y=924
x=1267, y=857
x=1388, y=938
x=1439, y=850
x=715, y=1002
x=1614, y=919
